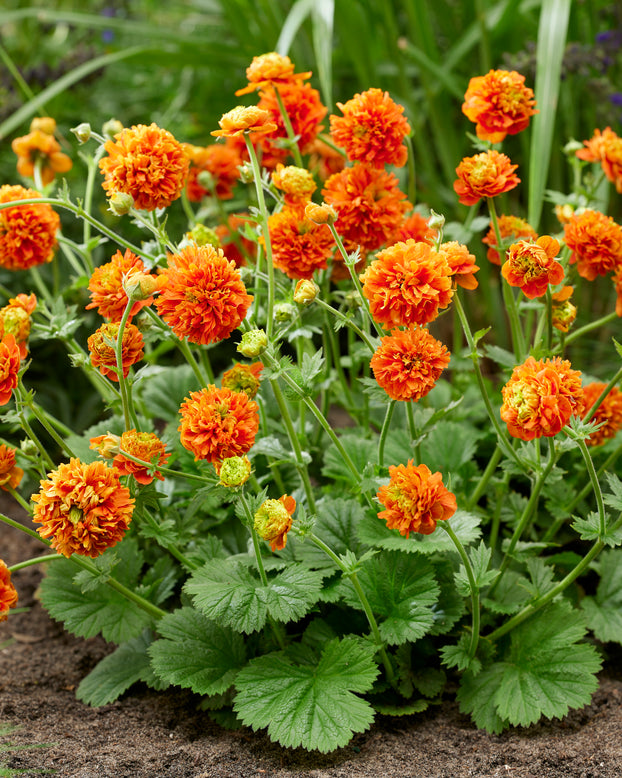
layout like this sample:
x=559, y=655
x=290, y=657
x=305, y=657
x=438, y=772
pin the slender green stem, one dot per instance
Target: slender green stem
x=42, y=289
x=590, y=414
x=485, y=478
x=595, y=486
x=475, y=607
x=413, y=431
x=92, y=169
x=16, y=525
x=45, y=457
x=18, y=498
x=126, y=399
x=364, y=602
x=166, y=470
x=185, y=349
x=19, y=79
x=588, y=328
x=35, y=561
x=385, y=431
x=28, y=402
x=348, y=322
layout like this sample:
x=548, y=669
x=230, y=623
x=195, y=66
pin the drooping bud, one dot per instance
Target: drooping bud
x=107, y=446
x=204, y=236
x=82, y=132
x=140, y=286
x=306, y=291
x=253, y=343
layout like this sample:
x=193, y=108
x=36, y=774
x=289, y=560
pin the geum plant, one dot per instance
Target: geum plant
x=326, y=529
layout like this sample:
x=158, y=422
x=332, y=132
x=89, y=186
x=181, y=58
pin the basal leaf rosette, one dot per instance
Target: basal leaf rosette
x=83, y=508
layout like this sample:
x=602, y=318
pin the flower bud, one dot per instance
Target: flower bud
x=28, y=448
x=284, y=312
x=306, y=291
x=320, y=214
x=120, y=203
x=82, y=132
x=247, y=175
x=111, y=128
x=206, y=180
x=140, y=286
x=203, y=236
x=107, y=446
x=253, y=343
x=273, y=520
x=234, y=471
x=43, y=124
x=572, y=147
x=436, y=220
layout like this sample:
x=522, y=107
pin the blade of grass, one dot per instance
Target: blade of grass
x=295, y=18
x=549, y=54
x=323, y=22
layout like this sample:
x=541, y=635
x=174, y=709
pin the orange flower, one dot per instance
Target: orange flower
x=243, y=378
x=218, y=423
x=8, y=593
x=83, y=508
x=606, y=148
x=509, y=227
x=27, y=232
x=617, y=283
x=203, y=297
x=296, y=182
x=609, y=412
x=234, y=245
x=407, y=283
x=408, y=363
x=10, y=360
x=270, y=69
x=299, y=247
x=40, y=146
x=540, y=398
x=103, y=355
x=304, y=108
x=462, y=264
x=273, y=521
x=244, y=119
x=563, y=312
x=372, y=129
x=324, y=160
x=532, y=266
x=596, y=243
x=146, y=163
x=10, y=474
x=499, y=104
x=416, y=226
x=415, y=499
x=142, y=445
x=15, y=319
x=369, y=205
x=485, y=175
x=220, y=162
x=106, y=286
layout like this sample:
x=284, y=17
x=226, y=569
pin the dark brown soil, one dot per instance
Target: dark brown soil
x=162, y=735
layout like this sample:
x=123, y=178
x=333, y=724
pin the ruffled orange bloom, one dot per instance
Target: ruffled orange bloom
x=270, y=69
x=369, y=204
x=485, y=175
x=304, y=108
x=142, y=445
x=407, y=283
x=532, y=266
x=408, y=363
x=8, y=592
x=27, y=232
x=232, y=241
x=416, y=226
x=83, y=508
x=299, y=247
x=15, y=320
x=220, y=162
x=415, y=499
x=372, y=129
x=540, y=398
x=103, y=355
x=10, y=474
x=10, y=360
x=605, y=147
x=296, y=182
x=273, y=521
x=218, y=423
x=106, y=286
x=563, y=312
x=244, y=119
x=40, y=145
x=617, y=283
x=243, y=378
x=509, y=227
x=202, y=295
x=146, y=163
x=462, y=264
x=499, y=104
x=324, y=160
x=609, y=412
x=596, y=243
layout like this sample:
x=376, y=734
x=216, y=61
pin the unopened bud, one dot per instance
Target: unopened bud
x=111, y=128
x=320, y=214
x=203, y=236
x=247, y=175
x=107, y=446
x=120, y=203
x=82, y=132
x=284, y=312
x=253, y=343
x=140, y=286
x=436, y=220
x=571, y=148
x=44, y=124
x=273, y=520
x=306, y=291
x=206, y=180
x=235, y=471
x=28, y=448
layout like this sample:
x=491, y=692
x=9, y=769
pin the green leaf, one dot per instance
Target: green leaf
x=401, y=591
x=603, y=612
x=336, y=525
x=361, y=451
x=311, y=366
x=196, y=653
x=480, y=559
x=116, y=672
x=458, y=656
x=511, y=594
x=291, y=594
x=614, y=500
x=166, y=389
x=374, y=532
x=500, y=355
x=310, y=705
x=476, y=696
x=449, y=445
x=589, y=529
x=407, y=709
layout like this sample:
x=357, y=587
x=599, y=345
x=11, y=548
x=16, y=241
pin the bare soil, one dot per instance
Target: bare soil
x=163, y=735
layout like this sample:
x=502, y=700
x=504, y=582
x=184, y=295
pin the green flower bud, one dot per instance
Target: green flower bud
x=111, y=128
x=305, y=292
x=82, y=132
x=235, y=471
x=284, y=312
x=120, y=203
x=203, y=236
x=253, y=343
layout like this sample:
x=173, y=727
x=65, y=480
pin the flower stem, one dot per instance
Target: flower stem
x=475, y=607
x=385, y=431
x=288, y=128
x=129, y=414
x=35, y=561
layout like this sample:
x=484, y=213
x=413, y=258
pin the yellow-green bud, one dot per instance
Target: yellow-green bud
x=120, y=203
x=253, y=343
x=111, y=128
x=82, y=132
x=284, y=312
x=28, y=448
x=306, y=291
x=572, y=147
x=247, y=176
x=203, y=236
x=235, y=471
x=273, y=521
x=206, y=180
x=140, y=286
x=436, y=220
